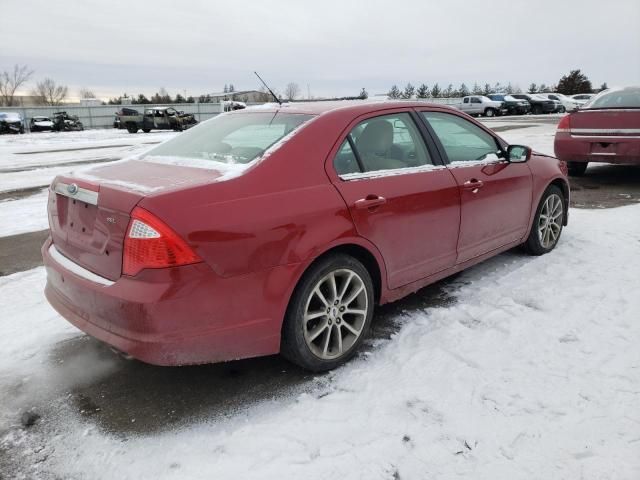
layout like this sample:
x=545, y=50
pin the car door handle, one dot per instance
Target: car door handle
x=371, y=201
x=473, y=185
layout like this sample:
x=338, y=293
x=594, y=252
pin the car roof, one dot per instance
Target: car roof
x=347, y=106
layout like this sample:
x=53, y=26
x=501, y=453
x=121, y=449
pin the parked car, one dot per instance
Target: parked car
x=513, y=105
x=606, y=129
x=539, y=104
x=155, y=118
x=568, y=103
x=63, y=122
x=124, y=111
x=481, y=105
x=11, y=122
x=582, y=98
x=40, y=124
x=278, y=230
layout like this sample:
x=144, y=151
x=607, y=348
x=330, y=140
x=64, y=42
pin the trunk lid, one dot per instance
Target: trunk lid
x=89, y=212
x=614, y=122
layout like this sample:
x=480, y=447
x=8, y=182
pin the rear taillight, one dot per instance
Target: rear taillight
x=565, y=125
x=150, y=243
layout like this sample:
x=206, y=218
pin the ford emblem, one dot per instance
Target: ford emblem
x=72, y=189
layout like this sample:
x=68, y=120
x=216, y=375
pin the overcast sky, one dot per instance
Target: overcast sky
x=334, y=47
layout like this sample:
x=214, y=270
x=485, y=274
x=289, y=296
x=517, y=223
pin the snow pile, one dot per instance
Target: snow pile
x=24, y=215
x=532, y=373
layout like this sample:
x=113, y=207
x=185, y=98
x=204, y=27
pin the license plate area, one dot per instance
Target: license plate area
x=603, y=148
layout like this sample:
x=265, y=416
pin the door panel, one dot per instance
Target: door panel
x=496, y=213
x=495, y=194
x=416, y=228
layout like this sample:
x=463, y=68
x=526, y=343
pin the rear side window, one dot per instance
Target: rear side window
x=462, y=140
x=387, y=142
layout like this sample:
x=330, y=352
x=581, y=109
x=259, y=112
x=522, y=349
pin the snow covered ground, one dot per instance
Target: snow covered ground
x=533, y=372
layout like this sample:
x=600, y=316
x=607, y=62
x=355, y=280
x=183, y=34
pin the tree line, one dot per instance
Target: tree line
x=573, y=83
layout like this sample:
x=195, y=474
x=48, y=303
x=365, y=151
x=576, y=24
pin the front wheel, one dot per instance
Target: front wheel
x=329, y=314
x=547, y=224
x=489, y=112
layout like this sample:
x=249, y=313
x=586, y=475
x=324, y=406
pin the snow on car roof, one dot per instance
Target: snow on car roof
x=316, y=108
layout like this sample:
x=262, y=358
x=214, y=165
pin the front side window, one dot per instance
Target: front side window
x=462, y=140
x=232, y=138
x=387, y=142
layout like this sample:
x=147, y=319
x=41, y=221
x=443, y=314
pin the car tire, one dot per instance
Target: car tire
x=536, y=110
x=577, y=169
x=146, y=130
x=329, y=314
x=547, y=223
x=132, y=128
x=562, y=110
x=489, y=112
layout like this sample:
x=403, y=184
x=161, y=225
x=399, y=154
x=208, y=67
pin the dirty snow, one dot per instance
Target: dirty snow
x=532, y=373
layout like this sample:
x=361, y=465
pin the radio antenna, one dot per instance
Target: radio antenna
x=267, y=87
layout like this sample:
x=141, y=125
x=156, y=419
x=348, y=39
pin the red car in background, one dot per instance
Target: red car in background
x=278, y=229
x=606, y=129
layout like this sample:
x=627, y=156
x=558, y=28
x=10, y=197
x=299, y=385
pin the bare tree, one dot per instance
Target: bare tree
x=49, y=92
x=86, y=93
x=10, y=82
x=292, y=90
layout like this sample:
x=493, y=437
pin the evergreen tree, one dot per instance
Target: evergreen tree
x=231, y=88
x=476, y=89
x=409, y=90
x=204, y=98
x=509, y=89
x=142, y=100
x=487, y=89
x=463, y=91
x=363, y=94
x=604, y=86
x=179, y=99
x=435, y=91
x=423, y=91
x=533, y=88
x=575, y=82
x=226, y=88
x=394, y=93
x=498, y=88
x=190, y=99
x=448, y=92
x=543, y=88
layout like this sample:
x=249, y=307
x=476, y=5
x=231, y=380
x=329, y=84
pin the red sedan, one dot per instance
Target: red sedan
x=278, y=230
x=606, y=129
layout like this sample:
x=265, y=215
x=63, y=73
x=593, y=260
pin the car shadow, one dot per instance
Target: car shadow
x=128, y=397
x=606, y=186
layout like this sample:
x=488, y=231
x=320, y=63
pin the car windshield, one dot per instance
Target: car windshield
x=232, y=137
x=618, y=98
x=510, y=98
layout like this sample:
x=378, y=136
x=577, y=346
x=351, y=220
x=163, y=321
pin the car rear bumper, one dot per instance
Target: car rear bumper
x=606, y=149
x=174, y=316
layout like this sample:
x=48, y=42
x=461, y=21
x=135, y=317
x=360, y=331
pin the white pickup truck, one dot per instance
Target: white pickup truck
x=481, y=105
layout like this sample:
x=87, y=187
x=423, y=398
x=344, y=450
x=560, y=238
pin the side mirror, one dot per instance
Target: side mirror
x=518, y=153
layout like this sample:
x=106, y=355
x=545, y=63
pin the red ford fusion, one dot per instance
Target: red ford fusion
x=279, y=229
x=606, y=129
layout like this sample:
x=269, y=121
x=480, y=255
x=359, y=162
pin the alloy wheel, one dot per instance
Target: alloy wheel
x=335, y=314
x=550, y=221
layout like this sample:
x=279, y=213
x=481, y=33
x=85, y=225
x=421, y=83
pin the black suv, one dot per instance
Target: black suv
x=11, y=122
x=514, y=106
x=539, y=104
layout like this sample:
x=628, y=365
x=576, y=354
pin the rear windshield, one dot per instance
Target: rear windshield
x=627, y=98
x=233, y=137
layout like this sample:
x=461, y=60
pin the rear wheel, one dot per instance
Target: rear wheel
x=489, y=112
x=547, y=224
x=536, y=110
x=131, y=128
x=329, y=314
x=146, y=130
x=577, y=169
